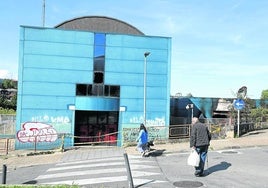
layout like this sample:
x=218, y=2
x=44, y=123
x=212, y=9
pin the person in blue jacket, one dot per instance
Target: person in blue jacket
x=142, y=140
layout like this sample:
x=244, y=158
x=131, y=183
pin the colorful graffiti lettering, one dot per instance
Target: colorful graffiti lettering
x=37, y=132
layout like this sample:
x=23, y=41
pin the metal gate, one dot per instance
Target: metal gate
x=179, y=131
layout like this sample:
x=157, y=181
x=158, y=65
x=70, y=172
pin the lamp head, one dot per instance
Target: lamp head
x=146, y=54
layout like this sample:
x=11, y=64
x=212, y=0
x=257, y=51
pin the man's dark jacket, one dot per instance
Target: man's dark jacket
x=200, y=135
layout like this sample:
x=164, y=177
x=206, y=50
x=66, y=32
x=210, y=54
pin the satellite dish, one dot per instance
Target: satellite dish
x=242, y=92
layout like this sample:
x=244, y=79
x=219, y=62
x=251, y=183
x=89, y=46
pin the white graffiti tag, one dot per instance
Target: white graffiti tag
x=37, y=132
x=149, y=122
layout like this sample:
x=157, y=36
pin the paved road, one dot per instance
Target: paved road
x=246, y=167
x=226, y=169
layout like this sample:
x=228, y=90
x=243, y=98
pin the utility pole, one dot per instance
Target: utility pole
x=44, y=12
x=144, y=86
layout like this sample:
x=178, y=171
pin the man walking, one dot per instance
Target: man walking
x=199, y=140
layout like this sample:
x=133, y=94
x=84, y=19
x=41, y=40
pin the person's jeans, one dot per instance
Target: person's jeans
x=202, y=151
x=141, y=147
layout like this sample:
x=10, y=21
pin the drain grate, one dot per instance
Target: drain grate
x=189, y=184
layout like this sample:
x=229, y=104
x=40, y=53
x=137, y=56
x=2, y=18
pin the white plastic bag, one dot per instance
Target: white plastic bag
x=193, y=159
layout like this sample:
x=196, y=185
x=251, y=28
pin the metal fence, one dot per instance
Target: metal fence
x=7, y=124
x=220, y=128
x=7, y=133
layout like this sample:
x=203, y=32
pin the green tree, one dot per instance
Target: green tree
x=264, y=98
x=260, y=114
x=8, y=96
x=8, y=84
x=264, y=94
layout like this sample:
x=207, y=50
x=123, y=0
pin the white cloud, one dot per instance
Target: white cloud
x=4, y=74
x=7, y=74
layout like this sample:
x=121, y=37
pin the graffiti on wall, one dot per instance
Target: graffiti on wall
x=37, y=132
x=46, y=118
x=149, y=122
x=155, y=133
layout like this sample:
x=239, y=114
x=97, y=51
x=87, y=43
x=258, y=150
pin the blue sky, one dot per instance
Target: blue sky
x=217, y=46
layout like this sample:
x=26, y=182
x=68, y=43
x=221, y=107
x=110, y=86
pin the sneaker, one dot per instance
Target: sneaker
x=143, y=154
x=198, y=174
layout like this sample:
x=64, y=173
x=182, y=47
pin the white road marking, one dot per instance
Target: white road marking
x=103, y=180
x=86, y=166
x=72, y=171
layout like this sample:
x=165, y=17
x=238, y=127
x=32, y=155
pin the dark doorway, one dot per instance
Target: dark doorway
x=96, y=127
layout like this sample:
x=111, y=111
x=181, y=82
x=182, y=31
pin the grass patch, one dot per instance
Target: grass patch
x=42, y=186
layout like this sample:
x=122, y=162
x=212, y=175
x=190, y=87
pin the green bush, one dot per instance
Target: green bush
x=7, y=111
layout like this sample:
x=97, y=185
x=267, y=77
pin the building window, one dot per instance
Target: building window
x=98, y=78
x=114, y=91
x=81, y=89
x=99, y=58
x=97, y=90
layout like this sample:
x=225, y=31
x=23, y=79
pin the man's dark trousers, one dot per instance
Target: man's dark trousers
x=202, y=151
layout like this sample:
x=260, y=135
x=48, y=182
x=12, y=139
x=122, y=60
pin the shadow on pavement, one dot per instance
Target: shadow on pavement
x=144, y=183
x=30, y=182
x=155, y=153
x=222, y=166
x=254, y=133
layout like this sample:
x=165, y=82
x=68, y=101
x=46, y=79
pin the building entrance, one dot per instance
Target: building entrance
x=96, y=127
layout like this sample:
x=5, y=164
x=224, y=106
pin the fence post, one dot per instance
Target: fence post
x=35, y=143
x=4, y=174
x=7, y=145
x=62, y=143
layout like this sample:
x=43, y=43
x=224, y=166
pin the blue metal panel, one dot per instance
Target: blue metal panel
x=135, y=79
x=135, y=54
x=131, y=92
x=48, y=89
x=49, y=116
x=127, y=66
x=57, y=49
x=132, y=117
x=46, y=102
x=137, y=41
x=97, y=104
x=154, y=118
x=57, y=35
x=156, y=105
x=157, y=80
x=58, y=62
x=157, y=92
x=158, y=68
x=123, y=78
x=133, y=104
x=60, y=76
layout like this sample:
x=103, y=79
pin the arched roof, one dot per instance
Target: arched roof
x=99, y=24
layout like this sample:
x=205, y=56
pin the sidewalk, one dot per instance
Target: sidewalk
x=252, y=139
x=16, y=159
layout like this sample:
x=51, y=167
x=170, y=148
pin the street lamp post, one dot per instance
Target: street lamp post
x=188, y=107
x=144, y=86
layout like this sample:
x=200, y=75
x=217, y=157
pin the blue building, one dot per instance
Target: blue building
x=86, y=80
